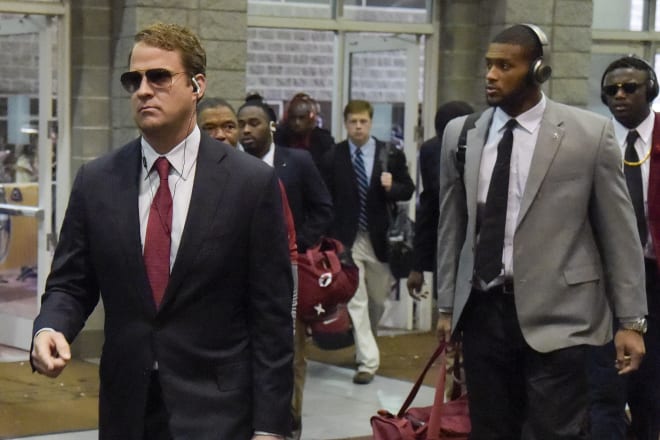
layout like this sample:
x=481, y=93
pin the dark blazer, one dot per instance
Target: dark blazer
x=308, y=196
x=426, y=218
x=320, y=141
x=223, y=334
x=340, y=179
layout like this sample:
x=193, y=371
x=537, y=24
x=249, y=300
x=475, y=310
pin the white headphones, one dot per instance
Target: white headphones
x=196, y=87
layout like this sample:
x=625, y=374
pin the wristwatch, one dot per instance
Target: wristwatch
x=639, y=325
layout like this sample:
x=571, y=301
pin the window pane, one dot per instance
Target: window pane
x=620, y=14
x=390, y=11
x=290, y=8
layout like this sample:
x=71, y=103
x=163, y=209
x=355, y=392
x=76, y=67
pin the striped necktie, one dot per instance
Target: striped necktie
x=363, y=187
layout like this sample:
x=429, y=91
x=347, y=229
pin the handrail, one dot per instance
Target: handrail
x=23, y=211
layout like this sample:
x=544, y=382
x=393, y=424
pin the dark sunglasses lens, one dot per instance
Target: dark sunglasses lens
x=159, y=77
x=131, y=81
x=628, y=88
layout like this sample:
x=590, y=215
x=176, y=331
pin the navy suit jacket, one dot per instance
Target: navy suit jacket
x=340, y=178
x=308, y=196
x=222, y=336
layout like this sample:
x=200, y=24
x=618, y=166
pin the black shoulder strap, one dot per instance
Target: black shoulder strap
x=462, y=141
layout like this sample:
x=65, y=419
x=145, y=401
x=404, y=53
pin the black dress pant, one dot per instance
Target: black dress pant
x=514, y=391
x=156, y=418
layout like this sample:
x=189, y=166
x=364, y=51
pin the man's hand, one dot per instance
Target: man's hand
x=50, y=353
x=629, y=350
x=266, y=437
x=443, y=327
x=386, y=180
x=415, y=283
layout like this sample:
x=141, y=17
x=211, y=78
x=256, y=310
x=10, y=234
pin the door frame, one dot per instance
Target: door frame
x=16, y=331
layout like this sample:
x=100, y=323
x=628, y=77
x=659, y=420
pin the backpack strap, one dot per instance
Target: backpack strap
x=462, y=141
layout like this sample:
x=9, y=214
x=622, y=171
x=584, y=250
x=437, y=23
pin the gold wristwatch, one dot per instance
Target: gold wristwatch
x=639, y=325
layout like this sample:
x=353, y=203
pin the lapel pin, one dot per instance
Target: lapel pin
x=555, y=135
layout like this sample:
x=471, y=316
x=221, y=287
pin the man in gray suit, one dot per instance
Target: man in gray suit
x=537, y=248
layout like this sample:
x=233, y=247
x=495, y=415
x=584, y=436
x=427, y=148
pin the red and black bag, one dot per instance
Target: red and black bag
x=327, y=277
x=440, y=421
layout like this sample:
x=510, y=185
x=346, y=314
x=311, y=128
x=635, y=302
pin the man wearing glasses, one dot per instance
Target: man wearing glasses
x=628, y=88
x=169, y=230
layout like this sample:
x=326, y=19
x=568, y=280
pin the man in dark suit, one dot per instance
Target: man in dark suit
x=537, y=249
x=628, y=87
x=426, y=217
x=361, y=191
x=169, y=230
x=309, y=201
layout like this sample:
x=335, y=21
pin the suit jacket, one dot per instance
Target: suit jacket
x=318, y=143
x=426, y=218
x=574, y=249
x=222, y=336
x=653, y=207
x=341, y=181
x=308, y=196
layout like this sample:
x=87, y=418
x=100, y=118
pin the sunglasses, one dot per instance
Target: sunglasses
x=157, y=78
x=628, y=88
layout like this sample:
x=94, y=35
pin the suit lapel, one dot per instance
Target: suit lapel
x=125, y=183
x=203, y=209
x=475, y=141
x=551, y=133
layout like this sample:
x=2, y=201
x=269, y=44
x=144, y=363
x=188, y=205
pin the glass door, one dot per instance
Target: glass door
x=33, y=106
x=385, y=70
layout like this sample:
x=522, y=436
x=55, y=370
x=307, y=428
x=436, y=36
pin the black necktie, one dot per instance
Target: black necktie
x=488, y=263
x=634, y=181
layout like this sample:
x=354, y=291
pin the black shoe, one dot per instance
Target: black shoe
x=363, y=378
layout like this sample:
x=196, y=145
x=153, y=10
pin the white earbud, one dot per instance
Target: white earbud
x=196, y=87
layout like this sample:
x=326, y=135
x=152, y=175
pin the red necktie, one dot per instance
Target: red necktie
x=158, y=239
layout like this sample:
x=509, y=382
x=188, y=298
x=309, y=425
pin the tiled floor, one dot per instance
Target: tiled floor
x=333, y=408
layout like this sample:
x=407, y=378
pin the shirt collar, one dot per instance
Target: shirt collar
x=369, y=148
x=269, y=157
x=182, y=157
x=644, y=129
x=529, y=120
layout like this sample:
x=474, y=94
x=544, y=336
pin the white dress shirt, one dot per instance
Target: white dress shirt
x=183, y=161
x=525, y=135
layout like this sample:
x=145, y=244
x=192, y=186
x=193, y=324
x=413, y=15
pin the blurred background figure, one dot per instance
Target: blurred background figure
x=218, y=119
x=426, y=217
x=300, y=128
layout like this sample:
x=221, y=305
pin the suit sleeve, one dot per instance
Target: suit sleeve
x=317, y=205
x=426, y=218
x=270, y=289
x=614, y=221
x=452, y=221
x=71, y=290
x=402, y=185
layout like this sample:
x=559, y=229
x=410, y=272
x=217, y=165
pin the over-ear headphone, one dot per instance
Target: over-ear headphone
x=633, y=61
x=539, y=71
x=195, y=84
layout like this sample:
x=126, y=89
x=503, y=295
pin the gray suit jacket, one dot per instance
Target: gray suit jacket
x=575, y=256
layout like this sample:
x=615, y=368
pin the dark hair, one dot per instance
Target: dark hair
x=358, y=106
x=521, y=35
x=448, y=111
x=256, y=100
x=213, y=103
x=178, y=38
